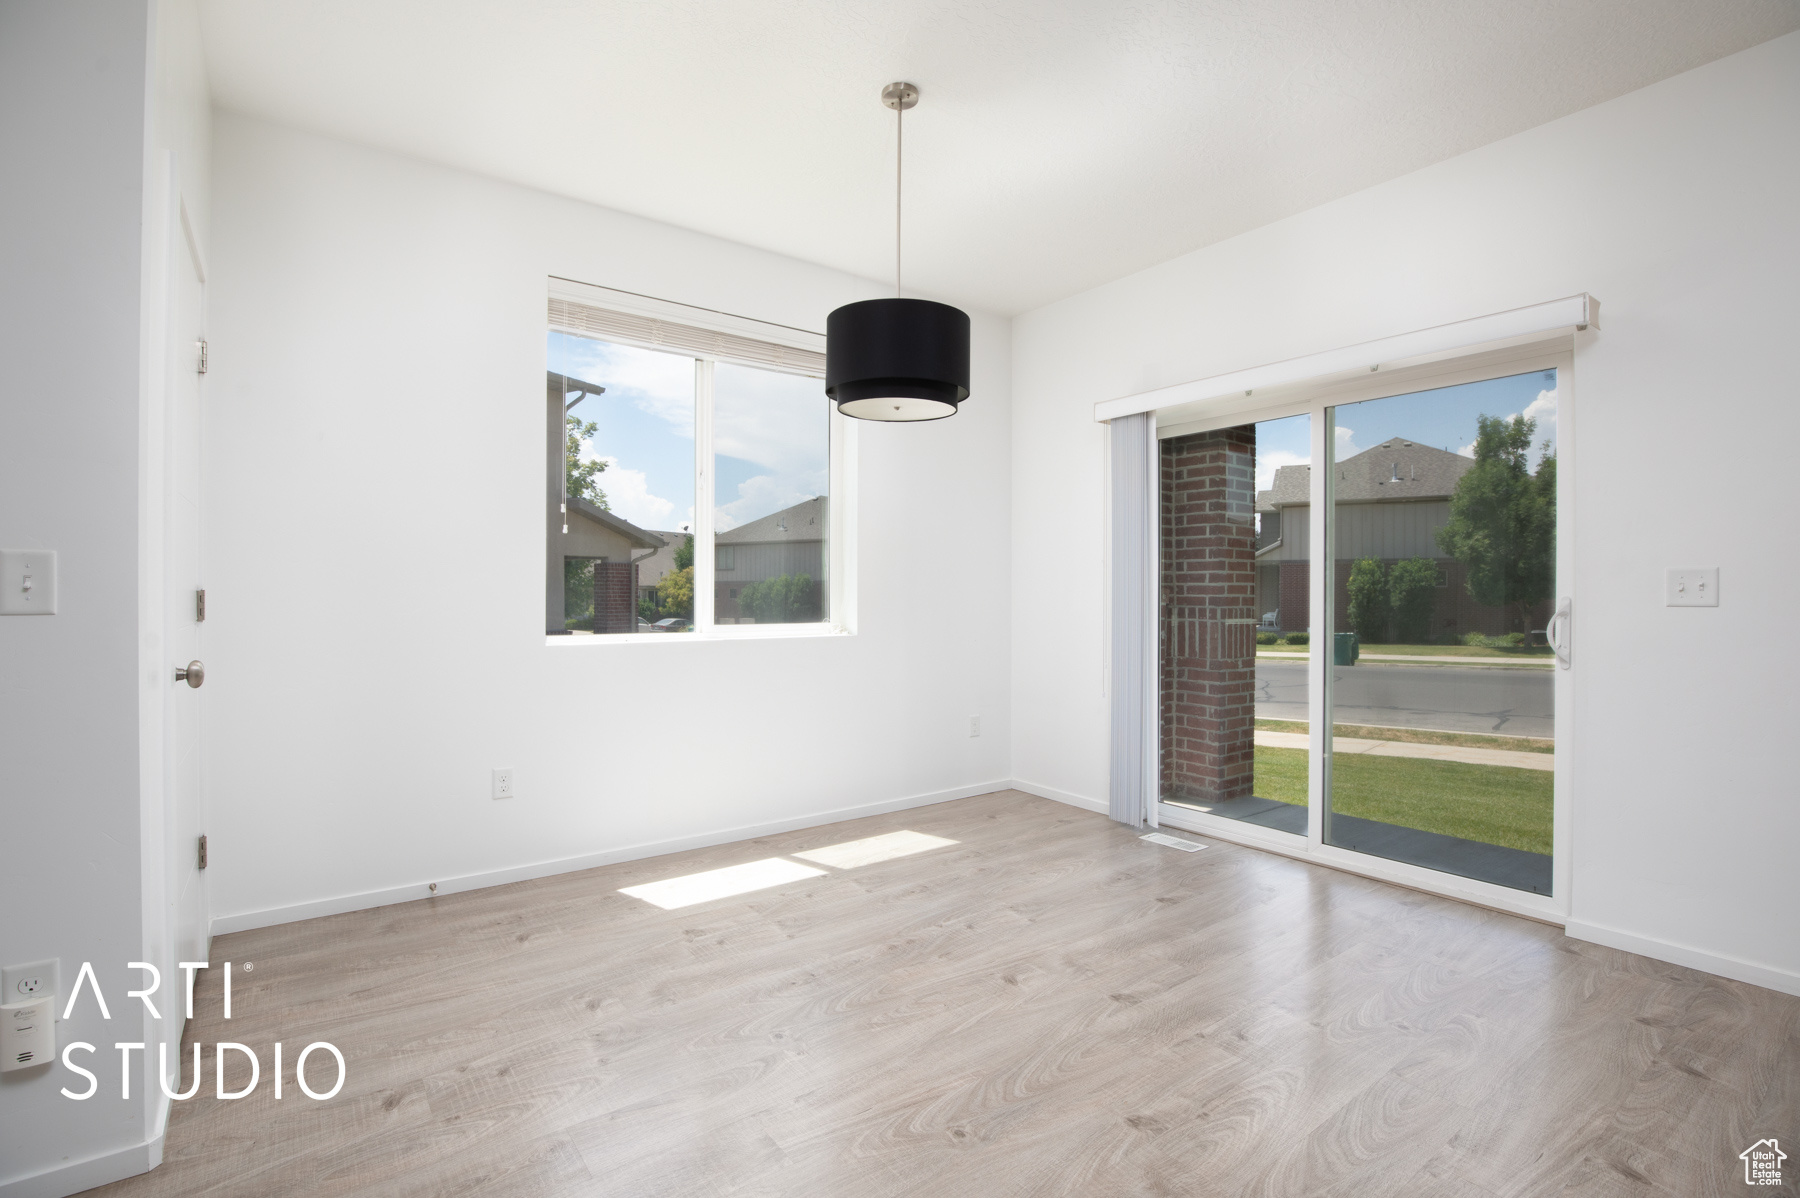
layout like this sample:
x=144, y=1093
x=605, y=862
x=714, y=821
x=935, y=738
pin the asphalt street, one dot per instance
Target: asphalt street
x=1510, y=701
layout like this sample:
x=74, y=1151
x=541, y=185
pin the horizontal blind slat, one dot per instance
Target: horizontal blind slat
x=587, y=320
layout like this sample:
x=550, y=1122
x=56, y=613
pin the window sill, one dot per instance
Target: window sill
x=737, y=632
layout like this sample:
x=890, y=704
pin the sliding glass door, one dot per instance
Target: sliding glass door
x=1441, y=538
x=1358, y=604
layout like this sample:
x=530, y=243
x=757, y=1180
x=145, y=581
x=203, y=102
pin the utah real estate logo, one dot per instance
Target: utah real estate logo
x=1762, y=1163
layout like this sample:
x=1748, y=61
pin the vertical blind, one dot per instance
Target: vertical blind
x=1134, y=716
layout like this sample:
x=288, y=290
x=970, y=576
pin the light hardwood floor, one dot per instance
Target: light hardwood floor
x=1051, y=1006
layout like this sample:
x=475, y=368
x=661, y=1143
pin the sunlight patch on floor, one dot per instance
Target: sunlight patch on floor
x=871, y=849
x=671, y=893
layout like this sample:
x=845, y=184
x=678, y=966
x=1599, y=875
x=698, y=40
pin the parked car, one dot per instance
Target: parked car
x=670, y=624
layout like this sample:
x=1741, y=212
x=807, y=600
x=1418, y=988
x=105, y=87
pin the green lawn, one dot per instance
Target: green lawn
x=1461, y=651
x=1490, y=803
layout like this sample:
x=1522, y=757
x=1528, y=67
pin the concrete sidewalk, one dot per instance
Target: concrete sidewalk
x=1399, y=748
x=1544, y=662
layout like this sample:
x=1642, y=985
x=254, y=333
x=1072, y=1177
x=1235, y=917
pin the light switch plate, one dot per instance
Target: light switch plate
x=1694, y=588
x=27, y=582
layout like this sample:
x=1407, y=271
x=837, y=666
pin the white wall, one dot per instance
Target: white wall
x=378, y=339
x=1675, y=205
x=90, y=94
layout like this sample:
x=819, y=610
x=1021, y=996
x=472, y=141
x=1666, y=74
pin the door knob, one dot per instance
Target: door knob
x=194, y=674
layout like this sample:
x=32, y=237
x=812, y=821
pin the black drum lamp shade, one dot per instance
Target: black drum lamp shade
x=897, y=359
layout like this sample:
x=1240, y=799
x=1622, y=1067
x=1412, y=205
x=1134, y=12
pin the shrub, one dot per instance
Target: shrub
x=1412, y=592
x=788, y=599
x=1369, y=605
x=1296, y=638
x=1510, y=640
x=1267, y=638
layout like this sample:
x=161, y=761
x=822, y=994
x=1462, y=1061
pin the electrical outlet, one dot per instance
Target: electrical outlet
x=503, y=784
x=974, y=725
x=19, y=983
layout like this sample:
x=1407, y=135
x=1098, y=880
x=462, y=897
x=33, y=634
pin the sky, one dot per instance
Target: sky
x=771, y=434
x=1444, y=417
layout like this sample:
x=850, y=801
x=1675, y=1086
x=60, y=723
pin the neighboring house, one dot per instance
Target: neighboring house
x=1391, y=500
x=652, y=569
x=791, y=541
x=578, y=530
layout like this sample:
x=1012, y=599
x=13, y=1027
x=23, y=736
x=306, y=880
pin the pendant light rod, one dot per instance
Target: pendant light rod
x=899, y=97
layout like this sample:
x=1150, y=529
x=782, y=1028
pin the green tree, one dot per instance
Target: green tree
x=578, y=590
x=675, y=593
x=788, y=599
x=1412, y=596
x=1502, y=524
x=579, y=474
x=684, y=554
x=1369, y=603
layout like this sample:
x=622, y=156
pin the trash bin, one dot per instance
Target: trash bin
x=1345, y=649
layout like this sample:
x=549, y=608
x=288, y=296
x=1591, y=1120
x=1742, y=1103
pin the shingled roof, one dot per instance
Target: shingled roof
x=805, y=521
x=1393, y=471
x=638, y=537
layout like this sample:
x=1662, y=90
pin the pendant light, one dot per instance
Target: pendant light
x=897, y=359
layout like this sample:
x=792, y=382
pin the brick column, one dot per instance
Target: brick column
x=615, y=596
x=1208, y=617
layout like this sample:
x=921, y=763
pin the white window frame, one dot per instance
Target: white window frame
x=840, y=562
x=1553, y=353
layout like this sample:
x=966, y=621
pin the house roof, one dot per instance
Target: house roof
x=567, y=384
x=631, y=532
x=805, y=521
x=1395, y=470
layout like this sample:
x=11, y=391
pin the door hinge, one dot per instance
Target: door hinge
x=203, y=852
x=200, y=606
x=200, y=366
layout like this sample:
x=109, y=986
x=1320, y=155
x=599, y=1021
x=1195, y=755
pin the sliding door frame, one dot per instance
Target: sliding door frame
x=1318, y=402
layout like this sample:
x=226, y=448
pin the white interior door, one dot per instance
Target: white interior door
x=183, y=610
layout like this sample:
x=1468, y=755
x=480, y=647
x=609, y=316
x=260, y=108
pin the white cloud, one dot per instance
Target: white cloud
x=1543, y=411
x=758, y=497
x=661, y=384
x=629, y=498
x=1346, y=443
x=1268, y=463
x=780, y=422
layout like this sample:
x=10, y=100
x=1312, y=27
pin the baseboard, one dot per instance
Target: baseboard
x=1766, y=976
x=1060, y=796
x=244, y=921
x=62, y=1180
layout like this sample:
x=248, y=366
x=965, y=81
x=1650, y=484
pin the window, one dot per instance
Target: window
x=771, y=515
x=689, y=476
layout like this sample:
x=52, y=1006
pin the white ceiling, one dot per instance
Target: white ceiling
x=1056, y=145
